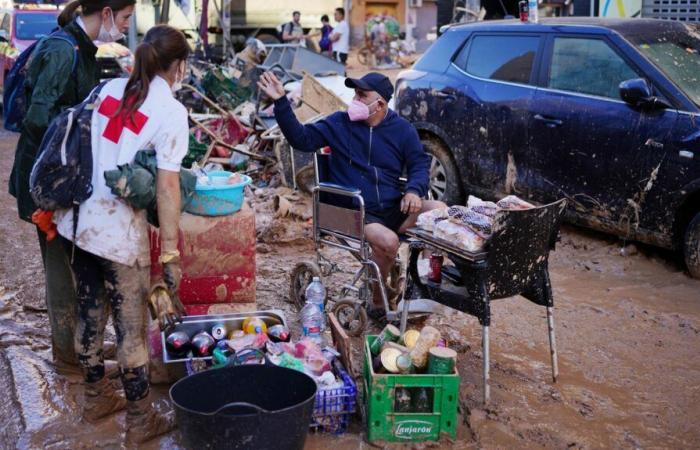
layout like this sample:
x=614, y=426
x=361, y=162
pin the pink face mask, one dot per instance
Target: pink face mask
x=358, y=111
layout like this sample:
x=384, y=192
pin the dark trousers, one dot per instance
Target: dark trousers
x=102, y=284
x=60, y=298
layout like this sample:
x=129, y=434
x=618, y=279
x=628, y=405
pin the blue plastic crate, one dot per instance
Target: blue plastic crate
x=333, y=407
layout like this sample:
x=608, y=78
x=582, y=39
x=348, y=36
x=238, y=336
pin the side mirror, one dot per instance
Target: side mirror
x=3, y=36
x=638, y=93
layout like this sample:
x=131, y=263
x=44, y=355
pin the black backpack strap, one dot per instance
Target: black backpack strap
x=76, y=211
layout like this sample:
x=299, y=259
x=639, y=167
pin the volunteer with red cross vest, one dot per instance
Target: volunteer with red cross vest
x=370, y=147
x=111, y=262
x=51, y=87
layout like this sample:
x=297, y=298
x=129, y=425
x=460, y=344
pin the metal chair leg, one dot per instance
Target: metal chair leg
x=485, y=351
x=552, y=343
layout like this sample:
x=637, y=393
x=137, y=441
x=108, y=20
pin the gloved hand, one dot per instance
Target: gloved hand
x=172, y=275
x=167, y=309
x=44, y=221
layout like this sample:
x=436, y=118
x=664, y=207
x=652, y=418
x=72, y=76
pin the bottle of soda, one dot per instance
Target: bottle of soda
x=316, y=294
x=311, y=321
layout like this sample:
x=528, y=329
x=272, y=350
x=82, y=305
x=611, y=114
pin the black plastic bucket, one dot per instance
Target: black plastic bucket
x=244, y=407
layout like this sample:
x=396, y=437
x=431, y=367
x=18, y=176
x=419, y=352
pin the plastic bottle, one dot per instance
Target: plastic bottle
x=312, y=321
x=316, y=294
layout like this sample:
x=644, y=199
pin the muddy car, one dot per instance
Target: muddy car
x=603, y=113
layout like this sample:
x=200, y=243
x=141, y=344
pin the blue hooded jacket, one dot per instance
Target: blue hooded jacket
x=367, y=158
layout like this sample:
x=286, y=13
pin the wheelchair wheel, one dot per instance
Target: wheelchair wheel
x=302, y=275
x=351, y=315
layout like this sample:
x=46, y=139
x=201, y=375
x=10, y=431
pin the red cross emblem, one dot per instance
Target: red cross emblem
x=116, y=124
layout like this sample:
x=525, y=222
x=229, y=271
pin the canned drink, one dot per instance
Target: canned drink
x=389, y=334
x=218, y=331
x=524, y=10
x=435, y=274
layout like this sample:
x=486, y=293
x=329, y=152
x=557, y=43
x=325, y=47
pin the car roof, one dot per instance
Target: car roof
x=591, y=25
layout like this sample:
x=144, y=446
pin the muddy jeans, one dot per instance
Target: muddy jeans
x=100, y=281
x=60, y=298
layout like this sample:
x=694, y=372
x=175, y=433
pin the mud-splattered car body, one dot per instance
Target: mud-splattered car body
x=550, y=122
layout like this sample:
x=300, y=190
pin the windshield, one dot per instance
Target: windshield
x=34, y=26
x=677, y=53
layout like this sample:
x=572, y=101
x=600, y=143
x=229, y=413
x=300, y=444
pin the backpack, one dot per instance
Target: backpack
x=14, y=100
x=280, y=30
x=62, y=173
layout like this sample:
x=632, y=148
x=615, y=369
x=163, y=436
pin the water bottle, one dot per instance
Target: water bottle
x=316, y=294
x=311, y=321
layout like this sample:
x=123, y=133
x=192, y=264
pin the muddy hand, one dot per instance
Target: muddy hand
x=165, y=309
x=172, y=275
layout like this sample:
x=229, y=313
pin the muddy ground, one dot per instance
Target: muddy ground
x=627, y=330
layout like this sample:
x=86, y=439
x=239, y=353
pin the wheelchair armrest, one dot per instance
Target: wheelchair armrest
x=338, y=189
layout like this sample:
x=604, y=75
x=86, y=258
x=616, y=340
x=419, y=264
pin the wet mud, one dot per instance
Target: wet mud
x=627, y=320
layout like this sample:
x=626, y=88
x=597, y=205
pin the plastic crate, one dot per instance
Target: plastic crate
x=383, y=423
x=333, y=407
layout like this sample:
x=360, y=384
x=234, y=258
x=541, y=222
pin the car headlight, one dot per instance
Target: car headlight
x=126, y=63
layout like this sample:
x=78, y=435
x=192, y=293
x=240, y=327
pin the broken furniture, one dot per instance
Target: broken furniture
x=514, y=261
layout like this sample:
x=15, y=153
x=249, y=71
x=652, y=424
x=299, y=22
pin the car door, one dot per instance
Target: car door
x=484, y=108
x=586, y=144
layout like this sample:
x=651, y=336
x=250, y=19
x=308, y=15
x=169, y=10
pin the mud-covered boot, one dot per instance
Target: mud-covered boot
x=102, y=399
x=144, y=423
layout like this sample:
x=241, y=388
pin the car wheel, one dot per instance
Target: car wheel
x=691, y=247
x=445, y=184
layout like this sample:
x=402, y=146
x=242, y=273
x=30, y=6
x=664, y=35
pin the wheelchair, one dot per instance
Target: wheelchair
x=343, y=227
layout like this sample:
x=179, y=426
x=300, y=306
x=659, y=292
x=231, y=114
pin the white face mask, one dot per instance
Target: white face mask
x=179, y=77
x=113, y=34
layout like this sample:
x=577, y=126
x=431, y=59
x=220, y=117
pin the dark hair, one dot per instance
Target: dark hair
x=295, y=13
x=324, y=18
x=162, y=45
x=90, y=7
x=341, y=11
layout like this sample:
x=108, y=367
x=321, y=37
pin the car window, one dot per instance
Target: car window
x=505, y=58
x=34, y=26
x=588, y=66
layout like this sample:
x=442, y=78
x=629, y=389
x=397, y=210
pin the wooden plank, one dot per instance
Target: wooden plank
x=342, y=343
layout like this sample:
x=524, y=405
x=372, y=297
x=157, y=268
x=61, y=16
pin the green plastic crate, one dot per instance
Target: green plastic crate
x=383, y=423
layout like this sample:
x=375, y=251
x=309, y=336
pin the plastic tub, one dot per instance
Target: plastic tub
x=218, y=198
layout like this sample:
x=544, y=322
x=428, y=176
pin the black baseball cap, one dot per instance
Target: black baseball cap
x=373, y=81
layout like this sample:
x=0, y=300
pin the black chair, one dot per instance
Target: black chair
x=514, y=262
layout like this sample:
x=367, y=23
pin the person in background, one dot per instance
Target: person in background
x=111, y=248
x=51, y=87
x=326, y=29
x=341, y=37
x=293, y=33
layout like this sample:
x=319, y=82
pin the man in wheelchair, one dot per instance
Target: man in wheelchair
x=371, y=146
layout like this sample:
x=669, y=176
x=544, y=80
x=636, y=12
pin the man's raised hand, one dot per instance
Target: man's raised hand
x=271, y=86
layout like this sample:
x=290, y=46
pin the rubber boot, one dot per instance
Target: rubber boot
x=144, y=423
x=102, y=400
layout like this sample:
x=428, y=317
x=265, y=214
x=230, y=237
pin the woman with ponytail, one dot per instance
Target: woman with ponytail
x=52, y=85
x=111, y=260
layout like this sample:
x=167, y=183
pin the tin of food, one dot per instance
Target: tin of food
x=404, y=363
x=389, y=334
x=388, y=358
x=398, y=347
x=441, y=360
x=409, y=338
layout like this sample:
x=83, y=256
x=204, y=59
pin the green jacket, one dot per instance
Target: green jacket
x=50, y=89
